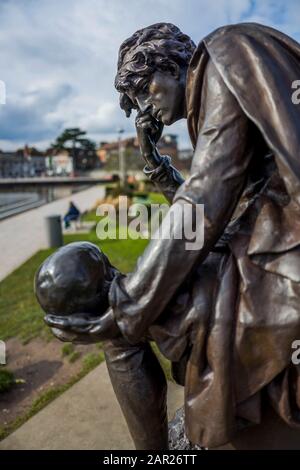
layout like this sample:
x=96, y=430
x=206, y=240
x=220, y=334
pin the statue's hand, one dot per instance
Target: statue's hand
x=82, y=328
x=149, y=131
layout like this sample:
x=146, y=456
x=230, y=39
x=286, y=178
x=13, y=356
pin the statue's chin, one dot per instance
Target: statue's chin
x=166, y=121
x=170, y=118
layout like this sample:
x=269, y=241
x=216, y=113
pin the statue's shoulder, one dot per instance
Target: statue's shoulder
x=227, y=41
x=238, y=33
x=234, y=30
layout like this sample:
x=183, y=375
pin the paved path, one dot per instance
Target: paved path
x=87, y=416
x=23, y=235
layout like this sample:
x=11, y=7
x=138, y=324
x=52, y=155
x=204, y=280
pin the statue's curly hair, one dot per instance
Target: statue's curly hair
x=146, y=51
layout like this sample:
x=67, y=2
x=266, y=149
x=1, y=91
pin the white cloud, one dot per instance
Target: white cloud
x=58, y=57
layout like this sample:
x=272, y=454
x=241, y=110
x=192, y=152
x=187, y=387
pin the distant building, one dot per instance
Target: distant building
x=84, y=159
x=16, y=165
x=108, y=153
x=60, y=164
x=110, y=149
x=22, y=164
x=167, y=145
x=186, y=154
x=185, y=157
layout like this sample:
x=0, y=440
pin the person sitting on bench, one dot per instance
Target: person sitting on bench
x=72, y=214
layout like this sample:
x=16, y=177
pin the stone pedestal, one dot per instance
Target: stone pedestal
x=273, y=433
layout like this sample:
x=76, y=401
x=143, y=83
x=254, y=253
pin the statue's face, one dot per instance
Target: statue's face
x=164, y=97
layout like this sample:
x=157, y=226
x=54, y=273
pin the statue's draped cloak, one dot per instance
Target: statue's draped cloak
x=243, y=346
x=233, y=320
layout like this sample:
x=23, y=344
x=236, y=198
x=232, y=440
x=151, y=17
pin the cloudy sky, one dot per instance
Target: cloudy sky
x=58, y=58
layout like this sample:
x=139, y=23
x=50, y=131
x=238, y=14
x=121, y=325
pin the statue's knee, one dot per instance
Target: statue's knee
x=121, y=356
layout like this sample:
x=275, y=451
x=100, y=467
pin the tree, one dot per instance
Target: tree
x=68, y=135
x=77, y=145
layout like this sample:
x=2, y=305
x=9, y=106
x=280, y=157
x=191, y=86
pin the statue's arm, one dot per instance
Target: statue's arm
x=166, y=177
x=219, y=169
x=218, y=174
x=158, y=167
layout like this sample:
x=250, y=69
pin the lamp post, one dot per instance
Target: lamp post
x=122, y=163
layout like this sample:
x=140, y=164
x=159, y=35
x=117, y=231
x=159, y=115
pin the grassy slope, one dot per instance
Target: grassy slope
x=21, y=315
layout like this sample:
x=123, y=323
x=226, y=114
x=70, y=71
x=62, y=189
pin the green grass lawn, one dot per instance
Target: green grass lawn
x=21, y=315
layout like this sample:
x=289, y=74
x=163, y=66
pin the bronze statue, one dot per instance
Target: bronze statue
x=225, y=315
x=75, y=279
